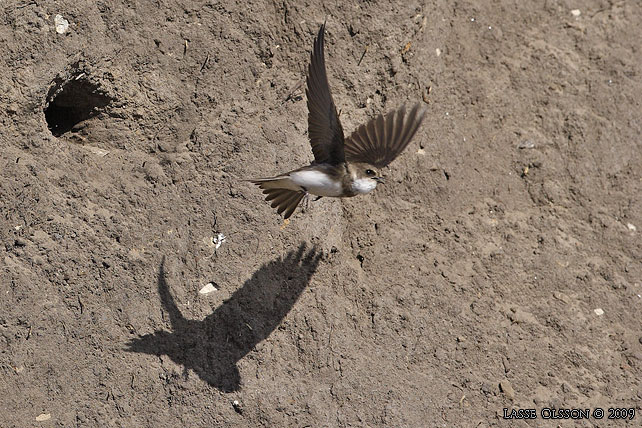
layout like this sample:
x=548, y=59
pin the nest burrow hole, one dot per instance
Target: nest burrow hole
x=71, y=101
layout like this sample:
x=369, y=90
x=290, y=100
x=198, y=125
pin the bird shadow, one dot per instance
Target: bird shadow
x=213, y=346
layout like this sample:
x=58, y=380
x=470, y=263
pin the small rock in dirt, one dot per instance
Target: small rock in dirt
x=135, y=255
x=631, y=227
x=562, y=297
x=487, y=388
x=237, y=407
x=208, y=288
x=215, y=241
x=218, y=241
x=62, y=25
x=598, y=311
x=576, y=12
x=97, y=151
x=520, y=316
x=526, y=144
x=43, y=417
x=507, y=389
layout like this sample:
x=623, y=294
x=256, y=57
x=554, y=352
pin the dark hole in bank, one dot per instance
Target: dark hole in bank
x=72, y=101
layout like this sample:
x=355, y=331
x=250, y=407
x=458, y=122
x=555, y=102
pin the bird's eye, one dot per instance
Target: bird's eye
x=370, y=172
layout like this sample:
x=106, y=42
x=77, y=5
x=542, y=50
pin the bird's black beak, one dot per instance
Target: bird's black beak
x=380, y=180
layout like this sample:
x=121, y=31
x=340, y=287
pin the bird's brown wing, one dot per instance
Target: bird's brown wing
x=382, y=139
x=284, y=200
x=324, y=127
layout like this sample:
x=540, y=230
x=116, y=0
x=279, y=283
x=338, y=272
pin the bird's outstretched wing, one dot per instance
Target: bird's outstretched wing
x=324, y=127
x=382, y=139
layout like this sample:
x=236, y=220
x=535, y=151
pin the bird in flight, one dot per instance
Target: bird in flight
x=343, y=167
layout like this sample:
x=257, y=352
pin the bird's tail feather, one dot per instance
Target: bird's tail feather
x=279, y=191
x=279, y=182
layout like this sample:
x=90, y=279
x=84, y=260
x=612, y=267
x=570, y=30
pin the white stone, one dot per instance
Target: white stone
x=62, y=25
x=43, y=417
x=218, y=241
x=207, y=288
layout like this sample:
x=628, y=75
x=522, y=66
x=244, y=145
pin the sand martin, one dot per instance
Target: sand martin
x=342, y=167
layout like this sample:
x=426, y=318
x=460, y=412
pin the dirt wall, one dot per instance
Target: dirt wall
x=498, y=267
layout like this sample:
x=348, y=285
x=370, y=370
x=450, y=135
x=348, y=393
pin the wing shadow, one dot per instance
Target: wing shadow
x=212, y=347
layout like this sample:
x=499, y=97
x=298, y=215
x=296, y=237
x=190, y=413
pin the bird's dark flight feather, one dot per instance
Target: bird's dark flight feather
x=382, y=139
x=324, y=127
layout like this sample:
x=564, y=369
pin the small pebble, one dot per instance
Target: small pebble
x=507, y=389
x=631, y=227
x=214, y=241
x=562, y=297
x=526, y=144
x=97, y=151
x=62, y=25
x=208, y=288
x=218, y=241
x=576, y=12
x=43, y=417
x=598, y=311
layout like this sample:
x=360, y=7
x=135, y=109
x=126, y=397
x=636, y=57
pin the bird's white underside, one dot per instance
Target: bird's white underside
x=321, y=184
x=317, y=182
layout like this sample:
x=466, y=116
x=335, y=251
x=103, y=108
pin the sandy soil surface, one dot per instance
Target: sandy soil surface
x=499, y=267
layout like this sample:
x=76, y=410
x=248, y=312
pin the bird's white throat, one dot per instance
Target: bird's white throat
x=364, y=185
